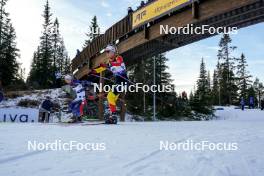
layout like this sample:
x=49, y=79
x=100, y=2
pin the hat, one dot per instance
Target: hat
x=110, y=48
x=68, y=77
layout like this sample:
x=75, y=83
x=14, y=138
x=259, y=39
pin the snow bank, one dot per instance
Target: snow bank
x=56, y=96
x=134, y=149
x=22, y=115
x=233, y=113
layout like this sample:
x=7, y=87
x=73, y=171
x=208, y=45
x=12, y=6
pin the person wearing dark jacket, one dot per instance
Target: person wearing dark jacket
x=45, y=110
x=242, y=103
x=1, y=92
x=262, y=104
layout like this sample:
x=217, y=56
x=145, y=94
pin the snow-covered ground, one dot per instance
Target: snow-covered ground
x=134, y=148
x=37, y=95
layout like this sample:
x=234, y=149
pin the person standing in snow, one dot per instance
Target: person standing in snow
x=242, y=103
x=262, y=104
x=45, y=110
x=1, y=92
x=58, y=79
x=251, y=102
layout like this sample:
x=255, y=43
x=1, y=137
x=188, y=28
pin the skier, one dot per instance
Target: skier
x=45, y=110
x=117, y=66
x=251, y=102
x=242, y=103
x=76, y=106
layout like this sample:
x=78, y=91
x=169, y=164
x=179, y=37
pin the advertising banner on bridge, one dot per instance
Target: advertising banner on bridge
x=19, y=115
x=155, y=10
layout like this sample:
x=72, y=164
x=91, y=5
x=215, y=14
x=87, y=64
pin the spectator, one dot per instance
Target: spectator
x=262, y=104
x=130, y=10
x=251, y=102
x=1, y=96
x=242, y=103
x=1, y=92
x=142, y=4
x=78, y=52
x=45, y=110
x=58, y=79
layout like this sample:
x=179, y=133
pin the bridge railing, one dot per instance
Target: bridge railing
x=114, y=33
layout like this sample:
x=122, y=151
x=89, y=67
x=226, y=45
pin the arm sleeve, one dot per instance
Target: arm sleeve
x=86, y=83
x=99, y=69
x=118, y=62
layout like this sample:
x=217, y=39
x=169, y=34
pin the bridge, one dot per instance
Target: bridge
x=138, y=42
x=138, y=35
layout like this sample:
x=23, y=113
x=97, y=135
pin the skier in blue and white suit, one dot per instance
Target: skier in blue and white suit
x=79, y=88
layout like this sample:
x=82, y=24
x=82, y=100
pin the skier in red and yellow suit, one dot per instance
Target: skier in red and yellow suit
x=117, y=67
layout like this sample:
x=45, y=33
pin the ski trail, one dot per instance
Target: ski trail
x=14, y=158
x=142, y=159
x=151, y=154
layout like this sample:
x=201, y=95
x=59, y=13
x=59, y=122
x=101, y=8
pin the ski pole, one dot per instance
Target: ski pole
x=135, y=84
x=159, y=98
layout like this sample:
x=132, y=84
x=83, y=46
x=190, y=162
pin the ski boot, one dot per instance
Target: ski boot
x=80, y=119
x=73, y=120
x=111, y=118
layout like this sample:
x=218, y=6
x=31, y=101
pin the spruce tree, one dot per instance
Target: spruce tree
x=215, y=89
x=59, y=50
x=46, y=51
x=228, y=87
x=201, y=103
x=51, y=55
x=94, y=31
x=3, y=15
x=9, y=65
x=243, y=76
x=142, y=72
x=259, y=90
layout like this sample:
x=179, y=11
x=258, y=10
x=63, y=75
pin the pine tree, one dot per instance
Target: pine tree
x=9, y=65
x=202, y=102
x=46, y=51
x=259, y=88
x=94, y=31
x=55, y=43
x=51, y=55
x=142, y=72
x=215, y=89
x=59, y=50
x=3, y=15
x=243, y=76
x=228, y=88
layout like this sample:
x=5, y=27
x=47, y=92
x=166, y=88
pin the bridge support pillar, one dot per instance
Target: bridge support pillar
x=195, y=9
x=101, y=99
x=123, y=107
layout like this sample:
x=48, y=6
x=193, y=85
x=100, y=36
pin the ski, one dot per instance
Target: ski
x=80, y=124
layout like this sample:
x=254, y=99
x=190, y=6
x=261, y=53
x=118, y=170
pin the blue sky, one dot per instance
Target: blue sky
x=75, y=17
